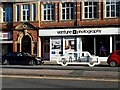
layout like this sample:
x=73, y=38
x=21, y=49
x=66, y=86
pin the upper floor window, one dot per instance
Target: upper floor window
x=90, y=10
x=67, y=12
x=7, y=13
x=25, y=12
x=17, y=12
x=48, y=12
x=33, y=12
x=112, y=8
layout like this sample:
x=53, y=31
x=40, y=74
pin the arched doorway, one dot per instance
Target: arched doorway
x=26, y=44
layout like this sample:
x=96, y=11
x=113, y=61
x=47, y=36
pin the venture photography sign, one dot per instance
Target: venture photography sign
x=78, y=31
x=82, y=31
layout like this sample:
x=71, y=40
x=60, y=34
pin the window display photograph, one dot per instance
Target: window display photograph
x=56, y=44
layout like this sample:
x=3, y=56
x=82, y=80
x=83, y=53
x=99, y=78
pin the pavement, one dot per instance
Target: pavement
x=42, y=71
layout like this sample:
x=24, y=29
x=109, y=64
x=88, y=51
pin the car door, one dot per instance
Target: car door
x=118, y=53
x=19, y=58
x=11, y=57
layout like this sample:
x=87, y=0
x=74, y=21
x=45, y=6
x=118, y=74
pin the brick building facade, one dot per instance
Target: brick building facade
x=31, y=22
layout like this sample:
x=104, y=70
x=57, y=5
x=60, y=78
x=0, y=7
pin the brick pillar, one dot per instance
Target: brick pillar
x=14, y=46
x=100, y=12
x=78, y=14
x=57, y=12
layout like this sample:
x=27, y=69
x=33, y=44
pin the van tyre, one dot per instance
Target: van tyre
x=113, y=64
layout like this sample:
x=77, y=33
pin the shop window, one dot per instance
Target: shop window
x=69, y=44
x=56, y=44
x=102, y=46
x=88, y=44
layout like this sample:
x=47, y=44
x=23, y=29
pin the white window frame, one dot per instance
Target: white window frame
x=17, y=13
x=26, y=14
x=93, y=6
x=65, y=8
x=47, y=12
x=105, y=5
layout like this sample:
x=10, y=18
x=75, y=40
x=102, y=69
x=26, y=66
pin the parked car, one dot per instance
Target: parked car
x=114, y=58
x=21, y=58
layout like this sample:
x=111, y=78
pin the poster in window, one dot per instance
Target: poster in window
x=56, y=44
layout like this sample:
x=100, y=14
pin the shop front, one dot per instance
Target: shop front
x=97, y=41
x=6, y=42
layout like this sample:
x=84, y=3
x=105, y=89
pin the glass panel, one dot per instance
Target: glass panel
x=63, y=5
x=103, y=46
x=18, y=10
x=112, y=7
x=34, y=12
x=86, y=3
x=88, y=44
x=112, y=14
x=90, y=9
x=86, y=15
x=90, y=15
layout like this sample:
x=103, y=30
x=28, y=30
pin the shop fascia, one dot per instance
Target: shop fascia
x=82, y=31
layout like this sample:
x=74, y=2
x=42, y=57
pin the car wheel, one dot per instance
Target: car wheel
x=113, y=64
x=5, y=62
x=32, y=62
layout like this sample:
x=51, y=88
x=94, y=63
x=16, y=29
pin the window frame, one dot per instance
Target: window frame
x=65, y=9
x=88, y=8
x=110, y=6
x=51, y=15
x=27, y=12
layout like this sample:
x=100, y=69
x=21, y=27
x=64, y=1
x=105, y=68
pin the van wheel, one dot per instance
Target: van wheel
x=113, y=64
x=5, y=62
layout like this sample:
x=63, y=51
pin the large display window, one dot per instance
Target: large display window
x=70, y=44
x=102, y=46
x=88, y=44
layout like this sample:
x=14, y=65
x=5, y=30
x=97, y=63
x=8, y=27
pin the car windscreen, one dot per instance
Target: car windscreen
x=26, y=54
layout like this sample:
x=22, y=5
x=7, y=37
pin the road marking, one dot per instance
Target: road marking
x=61, y=78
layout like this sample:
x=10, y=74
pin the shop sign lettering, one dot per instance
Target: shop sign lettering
x=78, y=31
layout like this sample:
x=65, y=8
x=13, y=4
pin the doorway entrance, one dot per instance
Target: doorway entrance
x=26, y=44
x=46, y=48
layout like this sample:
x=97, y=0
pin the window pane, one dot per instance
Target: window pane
x=86, y=9
x=112, y=14
x=90, y=9
x=86, y=15
x=34, y=12
x=108, y=14
x=63, y=16
x=86, y=3
x=63, y=5
x=90, y=15
x=112, y=7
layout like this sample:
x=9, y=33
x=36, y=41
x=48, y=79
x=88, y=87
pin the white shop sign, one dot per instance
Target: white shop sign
x=82, y=31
